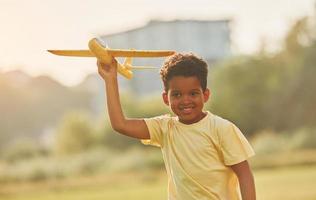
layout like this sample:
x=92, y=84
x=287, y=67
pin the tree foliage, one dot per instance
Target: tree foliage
x=270, y=91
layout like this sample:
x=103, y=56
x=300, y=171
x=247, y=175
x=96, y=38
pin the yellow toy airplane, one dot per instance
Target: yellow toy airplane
x=105, y=55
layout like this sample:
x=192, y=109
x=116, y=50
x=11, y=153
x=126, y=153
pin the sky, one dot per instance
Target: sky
x=30, y=27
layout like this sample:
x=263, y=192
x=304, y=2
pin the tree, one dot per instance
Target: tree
x=270, y=91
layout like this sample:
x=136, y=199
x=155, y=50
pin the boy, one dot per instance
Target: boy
x=205, y=156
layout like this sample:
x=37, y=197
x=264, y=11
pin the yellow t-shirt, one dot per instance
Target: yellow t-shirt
x=197, y=156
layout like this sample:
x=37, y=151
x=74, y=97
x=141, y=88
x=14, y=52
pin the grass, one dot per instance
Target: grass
x=113, y=186
x=290, y=183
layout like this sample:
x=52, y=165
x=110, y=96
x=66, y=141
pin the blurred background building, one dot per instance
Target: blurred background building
x=209, y=39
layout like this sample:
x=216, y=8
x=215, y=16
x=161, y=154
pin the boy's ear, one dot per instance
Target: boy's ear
x=206, y=94
x=165, y=98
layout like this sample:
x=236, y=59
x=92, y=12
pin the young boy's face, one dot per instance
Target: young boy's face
x=186, y=98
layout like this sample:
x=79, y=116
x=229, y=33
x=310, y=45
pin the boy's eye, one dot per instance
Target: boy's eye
x=194, y=93
x=176, y=94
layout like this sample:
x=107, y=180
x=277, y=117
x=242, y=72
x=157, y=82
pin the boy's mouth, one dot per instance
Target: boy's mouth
x=186, y=110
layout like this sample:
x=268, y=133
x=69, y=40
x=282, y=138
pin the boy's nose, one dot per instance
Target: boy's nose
x=186, y=99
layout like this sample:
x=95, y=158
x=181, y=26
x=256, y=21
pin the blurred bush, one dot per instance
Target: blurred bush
x=93, y=161
x=289, y=148
x=23, y=148
x=75, y=134
x=267, y=141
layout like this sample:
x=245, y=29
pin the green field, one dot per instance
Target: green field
x=290, y=183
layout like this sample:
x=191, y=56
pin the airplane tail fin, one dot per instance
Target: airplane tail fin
x=128, y=61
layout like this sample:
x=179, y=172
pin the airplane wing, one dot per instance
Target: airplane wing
x=138, y=53
x=78, y=53
x=113, y=52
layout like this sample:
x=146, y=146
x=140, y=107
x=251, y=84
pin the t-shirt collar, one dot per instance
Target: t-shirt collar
x=196, y=123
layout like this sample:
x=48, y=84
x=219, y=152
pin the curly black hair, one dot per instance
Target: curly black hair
x=184, y=65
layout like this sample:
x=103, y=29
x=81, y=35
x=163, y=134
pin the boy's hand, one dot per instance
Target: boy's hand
x=107, y=71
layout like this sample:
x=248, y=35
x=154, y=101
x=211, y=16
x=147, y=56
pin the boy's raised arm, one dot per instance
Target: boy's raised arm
x=135, y=128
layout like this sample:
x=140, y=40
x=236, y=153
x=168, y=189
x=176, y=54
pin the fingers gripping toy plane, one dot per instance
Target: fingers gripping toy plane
x=105, y=55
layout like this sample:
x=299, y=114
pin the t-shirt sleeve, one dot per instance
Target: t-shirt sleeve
x=156, y=127
x=234, y=146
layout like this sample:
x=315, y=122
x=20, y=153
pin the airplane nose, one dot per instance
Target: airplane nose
x=101, y=42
